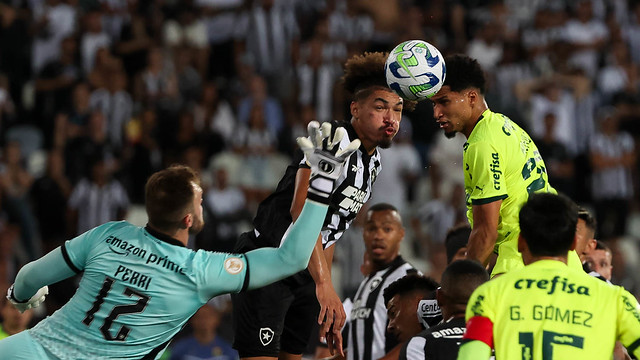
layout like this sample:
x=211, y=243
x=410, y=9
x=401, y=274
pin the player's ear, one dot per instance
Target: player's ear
x=523, y=248
x=354, y=109
x=473, y=96
x=574, y=243
x=522, y=244
x=441, y=297
x=187, y=221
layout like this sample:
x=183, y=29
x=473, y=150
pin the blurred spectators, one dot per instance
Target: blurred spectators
x=15, y=182
x=230, y=84
x=613, y=158
x=258, y=99
x=203, y=343
x=49, y=195
x=53, y=20
x=97, y=199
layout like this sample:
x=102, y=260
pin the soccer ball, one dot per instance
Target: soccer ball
x=415, y=70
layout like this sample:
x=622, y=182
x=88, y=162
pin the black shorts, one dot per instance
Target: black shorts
x=274, y=318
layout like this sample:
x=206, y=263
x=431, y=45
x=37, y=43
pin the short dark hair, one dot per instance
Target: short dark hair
x=365, y=73
x=409, y=284
x=169, y=196
x=382, y=207
x=457, y=238
x=588, y=219
x=464, y=72
x=461, y=278
x=600, y=245
x=548, y=224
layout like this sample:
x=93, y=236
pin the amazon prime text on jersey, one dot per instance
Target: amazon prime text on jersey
x=124, y=248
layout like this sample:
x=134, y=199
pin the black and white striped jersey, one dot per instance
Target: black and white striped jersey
x=352, y=191
x=440, y=342
x=368, y=336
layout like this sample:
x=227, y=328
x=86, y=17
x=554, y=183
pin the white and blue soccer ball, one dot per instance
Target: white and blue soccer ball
x=415, y=70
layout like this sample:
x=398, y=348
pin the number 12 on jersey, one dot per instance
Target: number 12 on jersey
x=118, y=310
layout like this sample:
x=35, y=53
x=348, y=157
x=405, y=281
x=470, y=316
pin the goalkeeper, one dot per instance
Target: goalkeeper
x=140, y=285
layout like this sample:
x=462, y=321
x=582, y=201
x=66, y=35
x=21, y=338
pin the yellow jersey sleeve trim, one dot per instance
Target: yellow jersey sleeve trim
x=633, y=347
x=488, y=200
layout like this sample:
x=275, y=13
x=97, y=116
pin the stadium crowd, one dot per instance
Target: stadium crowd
x=96, y=95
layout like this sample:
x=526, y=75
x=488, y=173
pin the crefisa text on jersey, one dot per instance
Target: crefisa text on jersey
x=550, y=286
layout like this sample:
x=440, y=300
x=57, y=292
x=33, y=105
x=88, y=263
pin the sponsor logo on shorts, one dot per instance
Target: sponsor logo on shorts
x=233, y=265
x=266, y=336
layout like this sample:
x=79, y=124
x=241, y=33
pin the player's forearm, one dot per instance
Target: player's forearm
x=318, y=267
x=47, y=270
x=474, y=350
x=480, y=244
x=268, y=265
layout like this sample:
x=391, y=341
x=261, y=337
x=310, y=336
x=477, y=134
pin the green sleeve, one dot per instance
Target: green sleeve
x=474, y=350
x=484, y=173
x=629, y=323
x=268, y=265
x=47, y=270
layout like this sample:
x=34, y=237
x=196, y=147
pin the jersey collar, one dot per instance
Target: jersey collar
x=163, y=237
x=482, y=116
x=395, y=263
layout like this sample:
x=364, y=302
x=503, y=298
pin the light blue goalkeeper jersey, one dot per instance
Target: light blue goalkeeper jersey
x=136, y=293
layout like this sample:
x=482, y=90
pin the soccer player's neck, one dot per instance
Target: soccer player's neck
x=181, y=235
x=475, y=116
x=532, y=258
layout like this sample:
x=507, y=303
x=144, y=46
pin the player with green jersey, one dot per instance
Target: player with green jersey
x=502, y=165
x=548, y=310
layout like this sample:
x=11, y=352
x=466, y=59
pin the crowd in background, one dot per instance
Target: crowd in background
x=95, y=95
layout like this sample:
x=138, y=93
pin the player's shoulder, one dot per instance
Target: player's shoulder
x=450, y=329
x=408, y=269
x=492, y=128
x=546, y=277
x=112, y=227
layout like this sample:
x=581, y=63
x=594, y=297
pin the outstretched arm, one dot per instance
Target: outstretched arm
x=36, y=275
x=268, y=265
x=271, y=264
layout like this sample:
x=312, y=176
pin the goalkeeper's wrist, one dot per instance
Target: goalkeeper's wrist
x=319, y=197
x=320, y=189
x=12, y=297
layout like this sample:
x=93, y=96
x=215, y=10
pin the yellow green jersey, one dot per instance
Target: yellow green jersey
x=501, y=162
x=548, y=310
x=3, y=334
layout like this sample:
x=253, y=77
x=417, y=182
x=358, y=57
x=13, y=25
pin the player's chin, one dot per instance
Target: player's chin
x=450, y=134
x=385, y=142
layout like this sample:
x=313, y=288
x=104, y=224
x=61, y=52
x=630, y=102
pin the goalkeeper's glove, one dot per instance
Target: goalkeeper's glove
x=33, y=302
x=325, y=167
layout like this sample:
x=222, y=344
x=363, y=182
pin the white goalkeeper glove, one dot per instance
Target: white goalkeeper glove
x=33, y=302
x=325, y=167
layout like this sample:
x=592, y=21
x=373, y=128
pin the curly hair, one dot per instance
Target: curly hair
x=365, y=73
x=464, y=72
